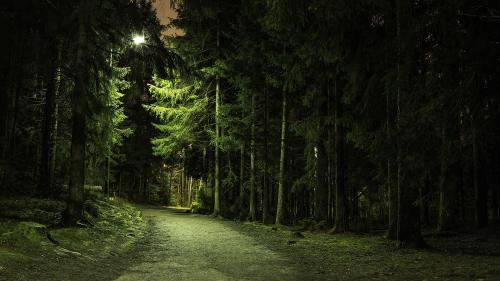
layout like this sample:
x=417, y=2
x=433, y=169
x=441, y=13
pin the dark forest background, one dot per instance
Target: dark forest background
x=341, y=114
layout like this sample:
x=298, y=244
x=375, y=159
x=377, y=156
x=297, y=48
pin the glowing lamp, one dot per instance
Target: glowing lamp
x=138, y=40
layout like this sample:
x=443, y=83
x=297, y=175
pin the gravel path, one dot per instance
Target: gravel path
x=191, y=247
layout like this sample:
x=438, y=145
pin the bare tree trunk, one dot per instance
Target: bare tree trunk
x=495, y=190
x=398, y=128
x=241, y=196
x=217, y=152
x=479, y=198
x=446, y=219
x=281, y=208
x=169, y=190
x=11, y=108
x=341, y=215
x=424, y=204
x=139, y=195
x=321, y=194
x=120, y=185
x=183, y=179
x=108, y=168
x=265, y=184
x=210, y=177
x=204, y=163
x=390, y=193
x=253, y=192
x=408, y=220
x=47, y=162
x=190, y=188
x=330, y=184
x=78, y=137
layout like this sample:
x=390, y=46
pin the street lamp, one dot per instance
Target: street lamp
x=138, y=40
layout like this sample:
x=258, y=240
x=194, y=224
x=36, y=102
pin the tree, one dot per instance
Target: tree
x=50, y=127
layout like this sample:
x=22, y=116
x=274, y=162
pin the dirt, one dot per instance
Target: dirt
x=182, y=246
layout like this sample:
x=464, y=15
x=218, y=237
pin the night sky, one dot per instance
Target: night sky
x=165, y=13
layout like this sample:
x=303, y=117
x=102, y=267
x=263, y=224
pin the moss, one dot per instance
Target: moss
x=350, y=256
x=22, y=234
x=8, y=256
x=115, y=227
x=72, y=238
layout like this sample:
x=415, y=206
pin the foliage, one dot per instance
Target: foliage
x=180, y=106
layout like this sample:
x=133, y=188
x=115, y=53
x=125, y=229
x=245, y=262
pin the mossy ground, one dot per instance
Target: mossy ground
x=175, y=245
x=372, y=257
x=30, y=250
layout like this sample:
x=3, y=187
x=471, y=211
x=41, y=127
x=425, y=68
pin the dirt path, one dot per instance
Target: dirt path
x=191, y=247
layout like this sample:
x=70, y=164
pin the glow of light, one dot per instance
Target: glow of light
x=138, y=40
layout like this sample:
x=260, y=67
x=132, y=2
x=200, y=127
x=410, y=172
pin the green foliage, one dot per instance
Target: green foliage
x=180, y=107
x=109, y=128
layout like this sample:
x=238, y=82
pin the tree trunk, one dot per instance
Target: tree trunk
x=183, y=179
x=281, y=208
x=108, y=168
x=330, y=184
x=265, y=184
x=495, y=190
x=190, y=188
x=120, y=184
x=407, y=221
x=447, y=215
x=49, y=133
x=204, y=176
x=217, y=208
x=398, y=128
x=390, y=193
x=253, y=192
x=217, y=152
x=241, y=197
x=78, y=136
x=13, y=91
x=210, y=178
x=424, y=204
x=341, y=215
x=480, y=214
x=321, y=194
x=408, y=217
x=139, y=195
x=169, y=190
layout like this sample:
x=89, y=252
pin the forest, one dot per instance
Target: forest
x=331, y=119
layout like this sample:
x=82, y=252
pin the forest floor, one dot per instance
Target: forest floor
x=177, y=245
x=35, y=251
